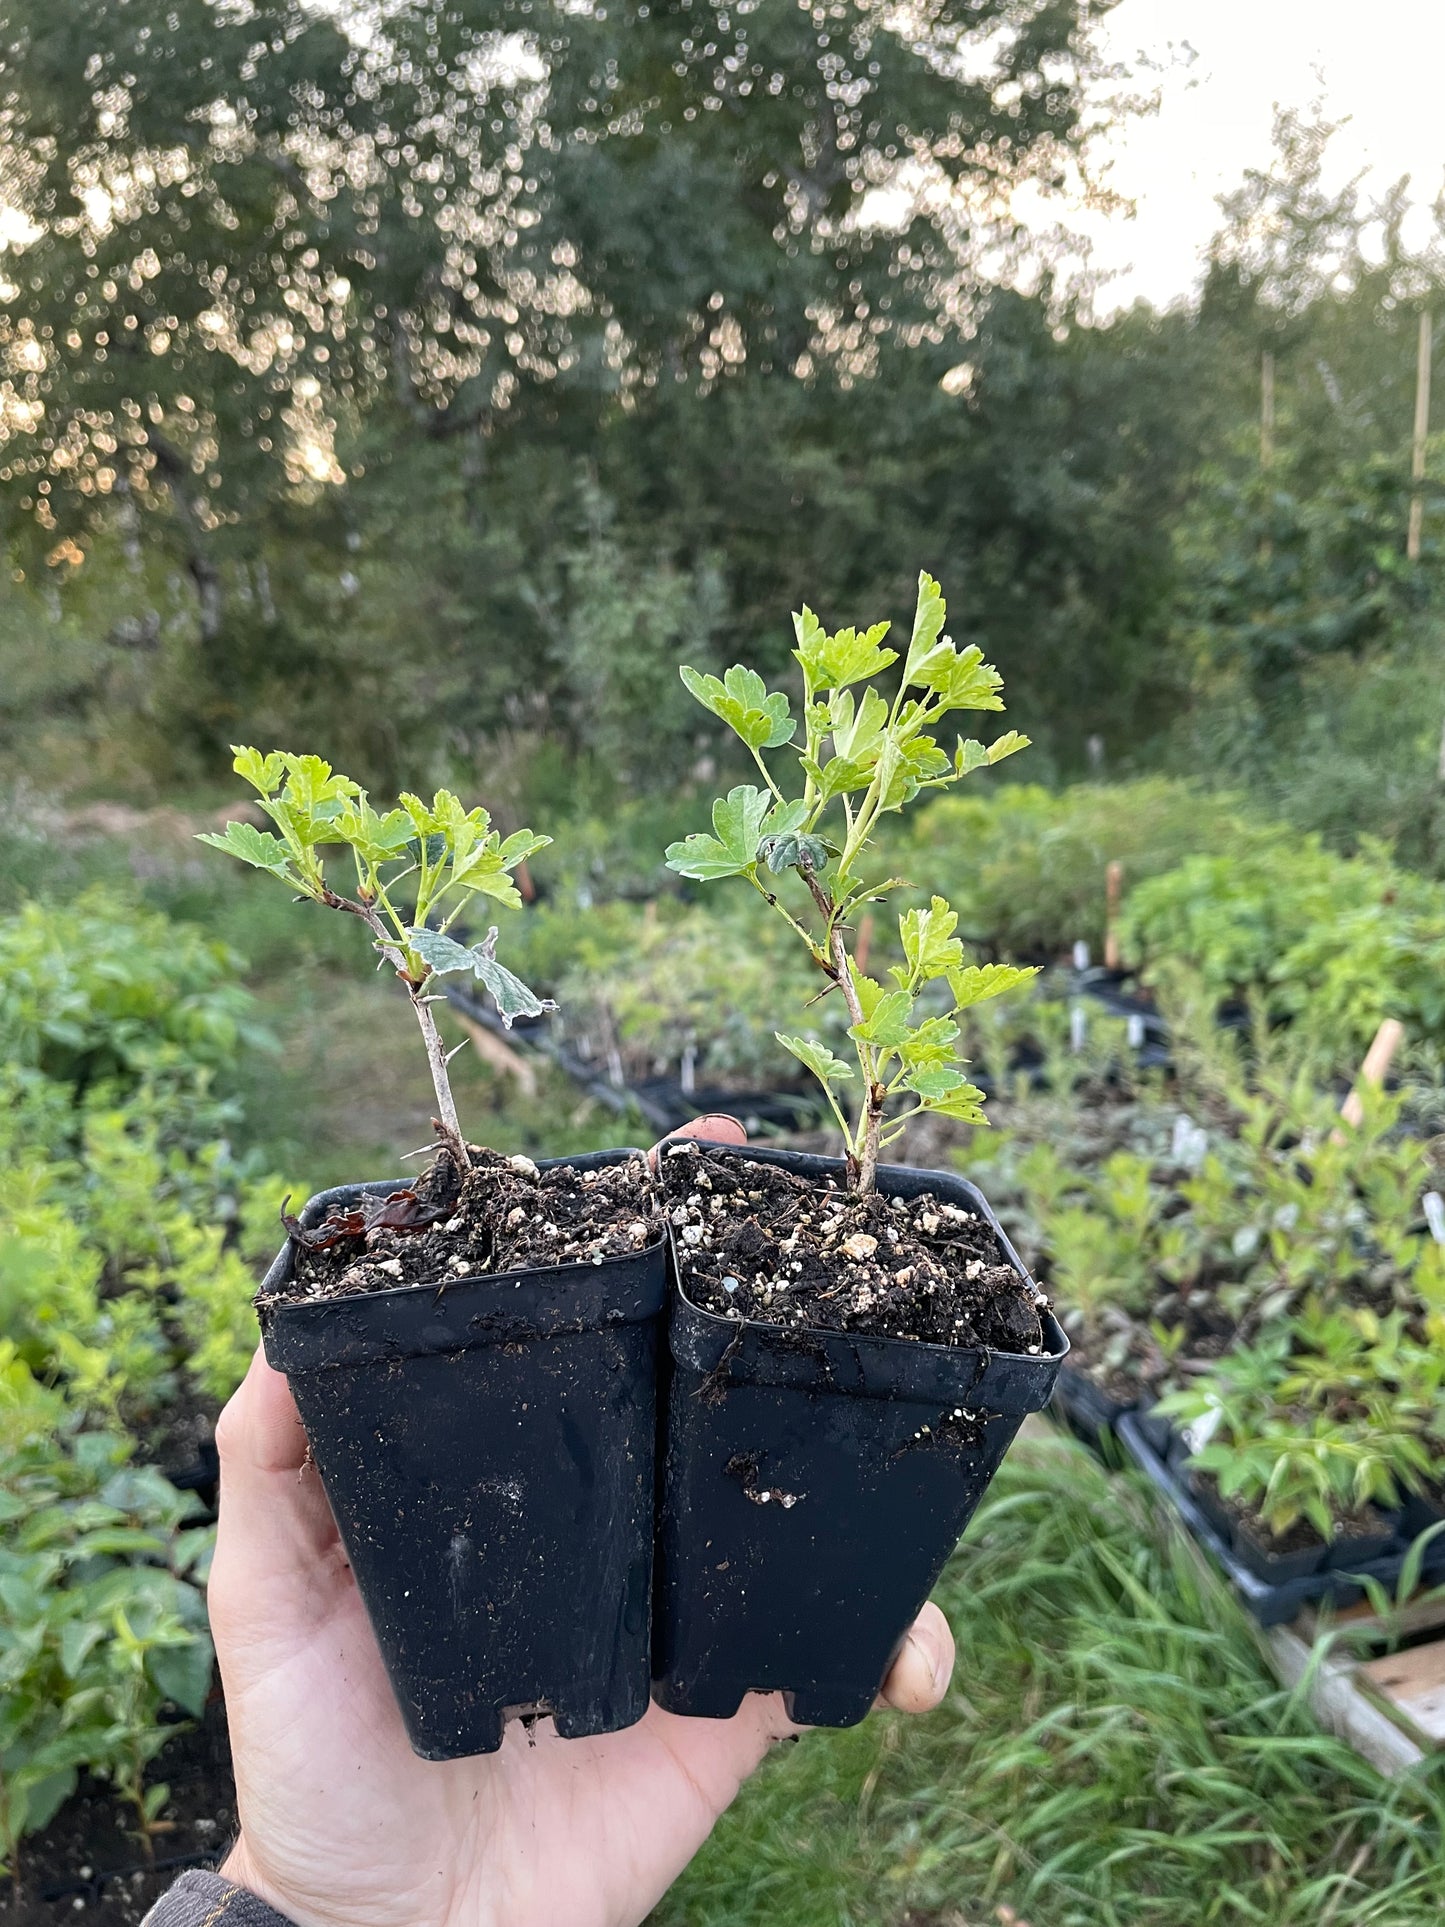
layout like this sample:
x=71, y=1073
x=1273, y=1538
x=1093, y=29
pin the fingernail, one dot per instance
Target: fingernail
x=932, y=1656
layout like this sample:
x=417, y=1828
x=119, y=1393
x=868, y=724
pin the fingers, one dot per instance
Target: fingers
x=276, y=1542
x=918, y=1679
x=716, y=1128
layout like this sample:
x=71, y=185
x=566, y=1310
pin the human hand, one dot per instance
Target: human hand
x=342, y=1823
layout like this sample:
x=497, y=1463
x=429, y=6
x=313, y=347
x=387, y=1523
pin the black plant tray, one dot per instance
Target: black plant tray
x=1270, y=1605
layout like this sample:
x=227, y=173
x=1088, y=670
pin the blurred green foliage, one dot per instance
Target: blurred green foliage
x=104, y=1618
x=1332, y=944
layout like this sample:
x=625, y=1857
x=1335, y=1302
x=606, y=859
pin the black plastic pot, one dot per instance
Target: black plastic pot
x=815, y=1483
x=1421, y=1510
x=1364, y=1545
x=1258, y=1556
x=488, y=1448
x=1088, y=1411
x=1418, y=1513
x=1156, y=1428
x=1206, y=1495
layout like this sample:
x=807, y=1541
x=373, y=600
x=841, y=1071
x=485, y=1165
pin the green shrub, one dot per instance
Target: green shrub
x=1333, y=943
x=131, y=1262
x=103, y=1618
x=1026, y=867
x=687, y=978
x=103, y=992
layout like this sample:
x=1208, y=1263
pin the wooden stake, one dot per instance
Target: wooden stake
x=1113, y=891
x=1266, y=410
x=1422, y=436
x=865, y=940
x=499, y=1054
x=1378, y=1058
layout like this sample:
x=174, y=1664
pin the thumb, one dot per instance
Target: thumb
x=277, y=1548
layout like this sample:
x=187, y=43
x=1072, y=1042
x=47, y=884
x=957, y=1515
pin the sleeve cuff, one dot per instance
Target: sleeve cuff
x=209, y=1900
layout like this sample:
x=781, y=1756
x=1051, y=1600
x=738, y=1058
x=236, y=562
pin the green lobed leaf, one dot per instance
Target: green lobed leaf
x=975, y=982
x=742, y=701
x=839, y=776
x=257, y=847
x=857, y=729
x=487, y=869
x=930, y=1043
x=929, y=944
x=423, y=818
x=445, y=956
x=831, y=662
x=738, y=820
x=818, y=1058
x=935, y=1080
x=928, y=617
x=960, y=678
x=511, y=996
x=949, y=1095
x=969, y=756
x=311, y=783
x=887, y=1023
x=910, y=765
x=377, y=838
x=1008, y=744
x=869, y=991
x=263, y=773
x=791, y=852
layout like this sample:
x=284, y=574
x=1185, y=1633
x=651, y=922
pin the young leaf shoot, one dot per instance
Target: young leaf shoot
x=861, y=755
x=418, y=867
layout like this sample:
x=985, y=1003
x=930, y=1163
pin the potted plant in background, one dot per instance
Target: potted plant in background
x=1298, y=1448
x=854, y=1344
x=473, y=1353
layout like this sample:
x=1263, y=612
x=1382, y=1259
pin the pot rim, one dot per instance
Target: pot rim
x=534, y=1302
x=1050, y=1355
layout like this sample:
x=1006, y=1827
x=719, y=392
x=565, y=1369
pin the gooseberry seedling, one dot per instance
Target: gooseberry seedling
x=418, y=867
x=861, y=757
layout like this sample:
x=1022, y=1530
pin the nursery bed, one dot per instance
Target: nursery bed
x=1269, y=1605
x=86, y=1865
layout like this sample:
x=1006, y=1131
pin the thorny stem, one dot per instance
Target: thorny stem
x=436, y=1056
x=773, y=902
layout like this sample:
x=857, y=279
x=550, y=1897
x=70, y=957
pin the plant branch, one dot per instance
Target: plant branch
x=767, y=776
x=436, y=1055
x=770, y=898
x=863, y=1151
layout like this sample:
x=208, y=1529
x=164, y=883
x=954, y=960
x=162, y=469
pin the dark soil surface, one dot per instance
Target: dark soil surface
x=757, y=1242
x=505, y=1215
x=89, y=1864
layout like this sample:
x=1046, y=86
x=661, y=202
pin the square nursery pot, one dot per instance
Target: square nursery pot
x=1419, y=1512
x=815, y=1483
x=1259, y=1556
x=1086, y=1408
x=489, y=1450
x=1363, y=1542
